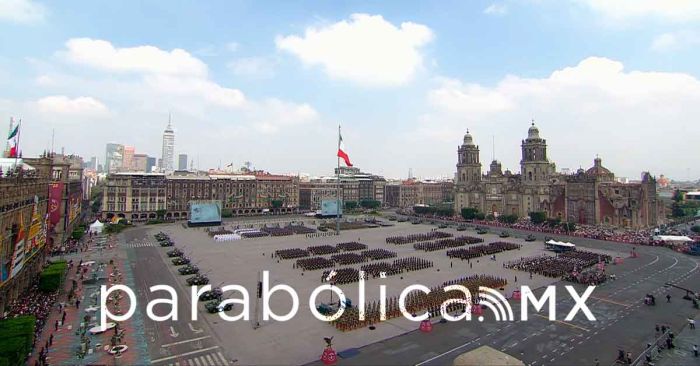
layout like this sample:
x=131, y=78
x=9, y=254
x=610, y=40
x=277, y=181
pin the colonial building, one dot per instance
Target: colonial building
x=24, y=197
x=143, y=196
x=591, y=197
x=411, y=192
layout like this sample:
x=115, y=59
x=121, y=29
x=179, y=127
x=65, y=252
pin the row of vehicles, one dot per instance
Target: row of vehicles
x=179, y=258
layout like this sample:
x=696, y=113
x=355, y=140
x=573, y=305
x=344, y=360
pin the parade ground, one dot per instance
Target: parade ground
x=622, y=320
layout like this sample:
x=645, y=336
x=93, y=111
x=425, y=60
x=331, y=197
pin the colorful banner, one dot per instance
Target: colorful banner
x=36, y=238
x=4, y=263
x=55, y=197
x=19, y=252
x=74, y=207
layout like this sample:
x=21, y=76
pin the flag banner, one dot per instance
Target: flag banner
x=55, y=198
x=18, y=254
x=342, y=152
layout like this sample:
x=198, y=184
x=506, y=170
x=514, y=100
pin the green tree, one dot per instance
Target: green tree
x=469, y=213
x=276, y=203
x=370, y=204
x=537, y=217
x=508, y=219
x=160, y=214
x=695, y=229
x=350, y=205
x=677, y=196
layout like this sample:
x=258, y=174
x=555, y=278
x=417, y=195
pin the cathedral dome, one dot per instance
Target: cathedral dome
x=598, y=169
x=533, y=132
x=468, y=140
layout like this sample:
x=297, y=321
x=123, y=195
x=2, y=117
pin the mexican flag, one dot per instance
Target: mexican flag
x=12, y=138
x=342, y=153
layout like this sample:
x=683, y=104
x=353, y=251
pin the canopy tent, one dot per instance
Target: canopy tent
x=561, y=244
x=673, y=238
x=96, y=227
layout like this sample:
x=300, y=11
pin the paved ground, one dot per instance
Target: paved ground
x=180, y=342
x=622, y=320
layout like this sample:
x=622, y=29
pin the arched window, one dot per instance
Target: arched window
x=529, y=175
x=464, y=177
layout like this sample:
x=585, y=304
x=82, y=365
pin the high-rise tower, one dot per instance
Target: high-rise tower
x=168, y=153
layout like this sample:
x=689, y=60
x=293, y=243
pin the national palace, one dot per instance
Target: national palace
x=590, y=196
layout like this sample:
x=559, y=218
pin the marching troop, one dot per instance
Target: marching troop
x=481, y=250
x=460, y=241
x=418, y=302
x=408, y=239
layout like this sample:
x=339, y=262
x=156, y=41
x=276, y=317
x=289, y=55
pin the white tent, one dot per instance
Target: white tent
x=561, y=244
x=673, y=238
x=96, y=227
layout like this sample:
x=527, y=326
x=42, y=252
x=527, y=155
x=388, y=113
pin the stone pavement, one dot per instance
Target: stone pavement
x=66, y=346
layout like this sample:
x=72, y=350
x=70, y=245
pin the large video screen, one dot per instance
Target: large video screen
x=330, y=208
x=205, y=212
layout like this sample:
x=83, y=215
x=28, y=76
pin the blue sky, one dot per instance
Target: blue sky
x=268, y=81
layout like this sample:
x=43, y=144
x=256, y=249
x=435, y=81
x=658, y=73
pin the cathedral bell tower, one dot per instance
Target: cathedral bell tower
x=468, y=177
x=468, y=165
x=534, y=165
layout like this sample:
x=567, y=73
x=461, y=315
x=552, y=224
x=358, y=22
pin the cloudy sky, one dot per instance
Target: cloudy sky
x=269, y=81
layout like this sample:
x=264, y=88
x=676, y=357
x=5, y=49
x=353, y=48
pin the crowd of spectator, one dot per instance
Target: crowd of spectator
x=481, y=250
x=460, y=241
x=408, y=239
x=33, y=302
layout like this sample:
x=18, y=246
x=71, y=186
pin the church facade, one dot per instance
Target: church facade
x=588, y=197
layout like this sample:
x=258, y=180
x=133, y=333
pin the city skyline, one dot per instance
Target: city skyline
x=250, y=93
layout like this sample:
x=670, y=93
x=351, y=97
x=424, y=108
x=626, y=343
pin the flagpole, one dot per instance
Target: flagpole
x=337, y=212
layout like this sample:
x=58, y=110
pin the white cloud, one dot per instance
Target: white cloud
x=673, y=41
x=80, y=106
x=669, y=10
x=103, y=55
x=22, y=11
x=259, y=67
x=496, y=9
x=206, y=114
x=365, y=49
x=594, y=107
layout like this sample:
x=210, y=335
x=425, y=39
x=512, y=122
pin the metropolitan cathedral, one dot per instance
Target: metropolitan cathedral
x=588, y=197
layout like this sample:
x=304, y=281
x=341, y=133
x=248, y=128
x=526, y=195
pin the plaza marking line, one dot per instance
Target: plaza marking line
x=563, y=322
x=610, y=301
x=183, y=354
x=185, y=341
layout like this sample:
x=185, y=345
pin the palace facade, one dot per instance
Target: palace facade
x=590, y=196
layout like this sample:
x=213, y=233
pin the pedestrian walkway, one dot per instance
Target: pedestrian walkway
x=208, y=359
x=682, y=354
x=139, y=244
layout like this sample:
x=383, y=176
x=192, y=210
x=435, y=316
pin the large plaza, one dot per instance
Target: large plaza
x=242, y=261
